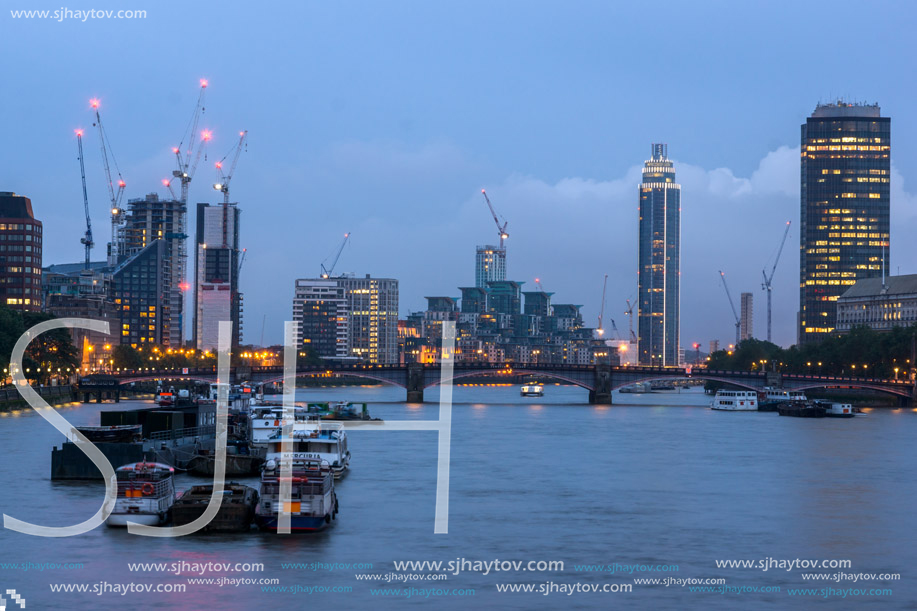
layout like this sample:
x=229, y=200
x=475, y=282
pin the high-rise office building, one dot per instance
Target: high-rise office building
x=349, y=318
x=20, y=253
x=747, y=320
x=659, y=262
x=845, y=163
x=150, y=219
x=216, y=272
x=489, y=265
x=322, y=312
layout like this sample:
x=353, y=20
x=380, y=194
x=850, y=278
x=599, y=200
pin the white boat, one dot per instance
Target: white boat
x=639, y=387
x=145, y=494
x=838, y=410
x=735, y=401
x=311, y=438
x=532, y=390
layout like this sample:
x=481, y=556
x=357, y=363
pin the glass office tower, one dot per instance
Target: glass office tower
x=845, y=163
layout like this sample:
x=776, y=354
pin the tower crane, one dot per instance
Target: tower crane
x=600, y=330
x=187, y=167
x=766, y=285
x=223, y=185
x=117, y=214
x=732, y=305
x=629, y=312
x=86, y=240
x=501, y=229
x=538, y=284
x=327, y=271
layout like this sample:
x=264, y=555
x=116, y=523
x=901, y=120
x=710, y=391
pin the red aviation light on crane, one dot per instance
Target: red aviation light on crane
x=78, y=132
x=175, y=150
x=94, y=103
x=122, y=184
x=219, y=165
x=204, y=83
x=166, y=182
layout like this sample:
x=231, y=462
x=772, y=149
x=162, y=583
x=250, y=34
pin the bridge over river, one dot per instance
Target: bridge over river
x=598, y=380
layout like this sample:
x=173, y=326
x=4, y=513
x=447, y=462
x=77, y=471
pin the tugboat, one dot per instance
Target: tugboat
x=313, y=502
x=145, y=494
x=237, y=511
x=839, y=410
x=735, y=401
x=532, y=390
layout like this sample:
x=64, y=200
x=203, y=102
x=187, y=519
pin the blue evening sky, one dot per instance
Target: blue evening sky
x=387, y=118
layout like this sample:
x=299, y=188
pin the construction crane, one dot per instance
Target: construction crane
x=629, y=312
x=114, y=195
x=223, y=185
x=86, y=240
x=187, y=166
x=732, y=305
x=766, y=285
x=327, y=271
x=600, y=330
x=538, y=284
x=501, y=229
x=242, y=260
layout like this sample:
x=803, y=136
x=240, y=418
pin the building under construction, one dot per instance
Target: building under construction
x=145, y=221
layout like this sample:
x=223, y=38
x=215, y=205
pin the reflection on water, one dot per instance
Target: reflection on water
x=654, y=479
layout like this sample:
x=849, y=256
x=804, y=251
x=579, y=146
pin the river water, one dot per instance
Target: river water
x=655, y=480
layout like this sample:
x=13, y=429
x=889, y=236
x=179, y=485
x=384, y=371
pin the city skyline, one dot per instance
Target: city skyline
x=405, y=162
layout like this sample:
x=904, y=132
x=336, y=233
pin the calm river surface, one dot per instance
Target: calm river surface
x=656, y=479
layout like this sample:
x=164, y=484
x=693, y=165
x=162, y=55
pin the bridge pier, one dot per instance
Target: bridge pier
x=415, y=382
x=601, y=390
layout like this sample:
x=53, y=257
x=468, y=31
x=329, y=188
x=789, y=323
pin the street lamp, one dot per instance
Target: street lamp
x=896, y=374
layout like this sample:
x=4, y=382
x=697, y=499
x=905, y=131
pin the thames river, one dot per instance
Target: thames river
x=656, y=484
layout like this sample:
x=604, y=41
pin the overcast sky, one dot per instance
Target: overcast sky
x=386, y=119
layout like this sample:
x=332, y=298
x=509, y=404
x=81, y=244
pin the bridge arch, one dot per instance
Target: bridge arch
x=652, y=378
x=368, y=375
x=497, y=372
x=897, y=392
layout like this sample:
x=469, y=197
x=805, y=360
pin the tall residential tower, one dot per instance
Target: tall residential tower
x=659, y=261
x=845, y=175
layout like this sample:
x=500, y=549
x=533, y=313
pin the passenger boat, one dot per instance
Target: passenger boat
x=312, y=437
x=770, y=398
x=735, y=401
x=313, y=503
x=639, y=387
x=532, y=390
x=237, y=509
x=165, y=398
x=145, y=494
